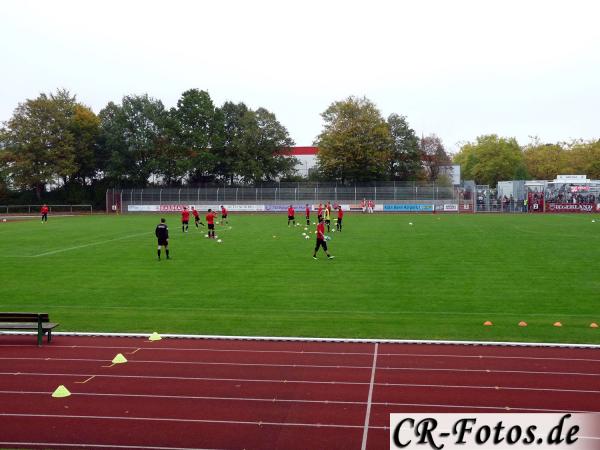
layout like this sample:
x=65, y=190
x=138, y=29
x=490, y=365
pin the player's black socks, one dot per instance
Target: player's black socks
x=158, y=251
x=167, y=252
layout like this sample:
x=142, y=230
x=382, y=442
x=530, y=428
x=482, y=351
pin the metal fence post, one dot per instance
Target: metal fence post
x=179, y=196
x=236, y=195
x=355, y=193
x=218, y=194
x=160, y=197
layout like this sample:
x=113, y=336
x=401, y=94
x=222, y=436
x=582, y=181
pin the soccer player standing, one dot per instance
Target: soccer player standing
x=321, y=240
x=320, y=212
x=162, y=234
x=327, y=212
x=340, y=217
x=196, y=217
x=307, y=214
x=224, y=215
x=44, y=212
x=210, y=220
x=185, y=219
x=291, y=214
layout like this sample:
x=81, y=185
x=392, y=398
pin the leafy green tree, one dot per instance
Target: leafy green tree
x=355, y=144
x=89, y=159
x=490, y=159
x=584, y=158
x=230, y=122
x=545, y=161
x=133, y=131
x=433, y=156
x=405, y=158
x=38, y=144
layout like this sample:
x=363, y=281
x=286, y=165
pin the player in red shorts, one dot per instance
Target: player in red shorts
x=210, y=220
x=291, y=214
x=307, y=214
x=196, y=217
x=321, y=240
x=44, y=212
x=185, y=219
x=340, y=217
x=224, y=215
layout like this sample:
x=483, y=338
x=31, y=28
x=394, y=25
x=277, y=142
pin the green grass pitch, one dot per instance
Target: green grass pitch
x=440, y=278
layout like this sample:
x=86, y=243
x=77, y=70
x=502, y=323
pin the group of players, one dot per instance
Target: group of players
x=323, y=219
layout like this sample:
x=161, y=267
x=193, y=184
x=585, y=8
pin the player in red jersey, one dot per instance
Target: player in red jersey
x=340, y=217
x=196, y=217
x=210, y=220
x=44, y=212
x=291, y=214
x=224, y=215
x=185, y=219
x=307, y=214
x=320, y=212
x=321, y=240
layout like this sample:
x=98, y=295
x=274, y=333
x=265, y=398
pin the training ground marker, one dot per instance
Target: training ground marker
x=61, y=392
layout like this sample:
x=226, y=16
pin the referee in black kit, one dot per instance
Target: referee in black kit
x=162, y=234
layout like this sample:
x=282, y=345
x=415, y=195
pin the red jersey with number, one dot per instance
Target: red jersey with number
x=44, y=210
x=210, y=218
x=195, y=213
x=291, y=212
x=340, y=213
x=321, y=231
x=185, y=215
x=307, y=211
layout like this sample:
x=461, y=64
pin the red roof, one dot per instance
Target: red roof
x=296, y=151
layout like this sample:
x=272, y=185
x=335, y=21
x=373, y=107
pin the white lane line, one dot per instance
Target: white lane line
x=153, y=377
x=369, y=399
x=167, y=419
x=308, y=352
x=199, y=363
x=53, y=252
x=532, y=372
x=494, y=388
x=89, y=445
x=337, y=402
x=193, y=397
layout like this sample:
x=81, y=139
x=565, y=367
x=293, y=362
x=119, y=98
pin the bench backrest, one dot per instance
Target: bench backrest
x=23, y=317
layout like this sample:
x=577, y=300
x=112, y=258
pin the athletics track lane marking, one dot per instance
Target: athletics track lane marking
x=369, y=399
x=86, y=445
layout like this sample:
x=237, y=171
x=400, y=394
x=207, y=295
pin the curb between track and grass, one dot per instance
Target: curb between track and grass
x=313, y=339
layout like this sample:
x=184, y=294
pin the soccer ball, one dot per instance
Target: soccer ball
x=593, y=221
x=219, y=240
x=306, y=229
x=303, y=234
x=327, y=238
x=410, y=223
x=206, y=235
x=307, y=237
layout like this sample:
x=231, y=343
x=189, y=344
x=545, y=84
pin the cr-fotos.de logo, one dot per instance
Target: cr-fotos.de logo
x=495, y=431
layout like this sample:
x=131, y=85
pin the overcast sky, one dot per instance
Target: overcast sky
x=453, y=67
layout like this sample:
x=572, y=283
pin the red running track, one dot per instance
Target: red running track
x=237, y=394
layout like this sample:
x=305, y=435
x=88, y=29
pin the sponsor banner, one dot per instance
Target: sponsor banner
x=451, y=207
x=494, y=431
x=283, y=208
x=356, y=207
x=179, y=208
x=408, y=207
x=570, y=207
x=142, y=208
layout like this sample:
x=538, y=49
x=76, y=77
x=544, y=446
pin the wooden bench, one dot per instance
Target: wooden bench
x=28, y=321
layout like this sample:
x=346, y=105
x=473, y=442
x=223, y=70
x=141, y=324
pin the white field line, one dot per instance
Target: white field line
x=315, y=339
x=369, y=400
x=213, y=421
x=306, y=352
x=67, y=249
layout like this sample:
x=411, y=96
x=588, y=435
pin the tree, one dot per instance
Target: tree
x=545, y=161
x=490, y=159
x=229, y=122
x=584, y=158
x=133, y=132
x=405, y=158
x=355, y=144
x=38, y=142
x=433, y=156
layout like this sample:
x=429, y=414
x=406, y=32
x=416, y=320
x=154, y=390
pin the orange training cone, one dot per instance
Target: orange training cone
x=487, y=323
x=593, y=325
x=522, y=324
x=557, y=324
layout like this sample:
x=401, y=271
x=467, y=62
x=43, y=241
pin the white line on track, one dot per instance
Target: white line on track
x=166, y=419
x=369, y=399
x=307, y=352
x=90, y=244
